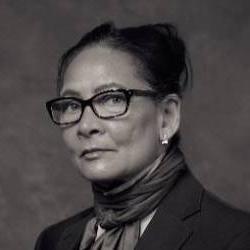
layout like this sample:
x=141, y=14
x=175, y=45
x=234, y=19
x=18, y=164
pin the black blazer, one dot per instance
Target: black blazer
x=189, y=218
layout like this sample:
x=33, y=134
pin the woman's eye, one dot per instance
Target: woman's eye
x=116, y=99
x=112, y=99
x=71, y=106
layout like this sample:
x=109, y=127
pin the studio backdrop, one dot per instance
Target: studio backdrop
x=38, y=183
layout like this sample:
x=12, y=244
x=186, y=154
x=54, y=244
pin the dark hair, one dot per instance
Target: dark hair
x=158, y=48
x=161, y=53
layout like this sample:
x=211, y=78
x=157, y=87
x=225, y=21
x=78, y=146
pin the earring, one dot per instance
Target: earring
x=164, y=140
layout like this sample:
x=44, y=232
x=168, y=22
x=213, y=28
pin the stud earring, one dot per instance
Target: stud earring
x=164, y=140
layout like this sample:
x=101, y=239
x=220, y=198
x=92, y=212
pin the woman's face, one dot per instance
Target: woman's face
x=122, y=146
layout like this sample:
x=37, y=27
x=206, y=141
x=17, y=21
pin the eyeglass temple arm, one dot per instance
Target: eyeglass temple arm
x=143, y=92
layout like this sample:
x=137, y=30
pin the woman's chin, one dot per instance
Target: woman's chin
x=98, y=171
x=104, y=180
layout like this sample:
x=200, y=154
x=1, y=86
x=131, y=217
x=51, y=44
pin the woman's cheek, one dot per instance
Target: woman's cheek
x=123, y=133
x=70, y=139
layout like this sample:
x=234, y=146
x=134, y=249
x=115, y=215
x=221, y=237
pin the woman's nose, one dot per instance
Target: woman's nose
x=89, y=124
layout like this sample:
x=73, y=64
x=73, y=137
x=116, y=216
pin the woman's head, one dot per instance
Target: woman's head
x=107, y=59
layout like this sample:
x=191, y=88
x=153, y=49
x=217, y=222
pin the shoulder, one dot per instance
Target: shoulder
x=51, y=235
x=211, y=208
x=224, y=214
x=215, y=224
x=221, y=221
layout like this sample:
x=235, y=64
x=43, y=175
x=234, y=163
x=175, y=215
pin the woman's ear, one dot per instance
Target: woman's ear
x=170, y=108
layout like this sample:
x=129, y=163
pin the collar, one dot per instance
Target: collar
x=169, y=228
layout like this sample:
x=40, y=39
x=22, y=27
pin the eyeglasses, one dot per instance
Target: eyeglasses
x=105, y=105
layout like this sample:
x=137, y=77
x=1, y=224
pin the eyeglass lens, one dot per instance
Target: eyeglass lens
x=104, y=105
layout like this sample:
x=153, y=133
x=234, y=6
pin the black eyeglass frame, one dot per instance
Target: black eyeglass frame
x=89, y=102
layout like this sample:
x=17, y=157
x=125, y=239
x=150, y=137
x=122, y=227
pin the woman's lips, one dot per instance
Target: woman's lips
x=94, y=153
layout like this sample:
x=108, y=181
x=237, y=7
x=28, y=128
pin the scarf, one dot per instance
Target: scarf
x=120, y=210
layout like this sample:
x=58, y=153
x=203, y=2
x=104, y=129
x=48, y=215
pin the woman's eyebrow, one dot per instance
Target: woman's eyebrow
x=107, y=86
x=100, y=88
x=70, y=92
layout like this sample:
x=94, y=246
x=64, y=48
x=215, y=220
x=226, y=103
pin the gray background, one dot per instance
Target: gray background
x=38, y=184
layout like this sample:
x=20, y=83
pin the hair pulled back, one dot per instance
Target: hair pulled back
x=158, y=48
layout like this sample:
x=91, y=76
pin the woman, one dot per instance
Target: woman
x=118, y=106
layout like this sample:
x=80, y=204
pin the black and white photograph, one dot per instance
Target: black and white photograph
x=125, y=125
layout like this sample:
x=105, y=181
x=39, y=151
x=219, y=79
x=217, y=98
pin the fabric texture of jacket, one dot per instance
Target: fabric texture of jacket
x=189, y=218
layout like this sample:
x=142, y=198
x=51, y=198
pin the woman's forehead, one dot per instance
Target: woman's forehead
x=103, y=60
x=101, y=67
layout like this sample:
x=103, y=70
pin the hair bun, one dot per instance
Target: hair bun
x=166, y=29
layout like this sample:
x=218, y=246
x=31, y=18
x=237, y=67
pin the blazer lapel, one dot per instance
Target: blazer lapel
x=164, y=233
x=173, y=223
x=72, y=235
